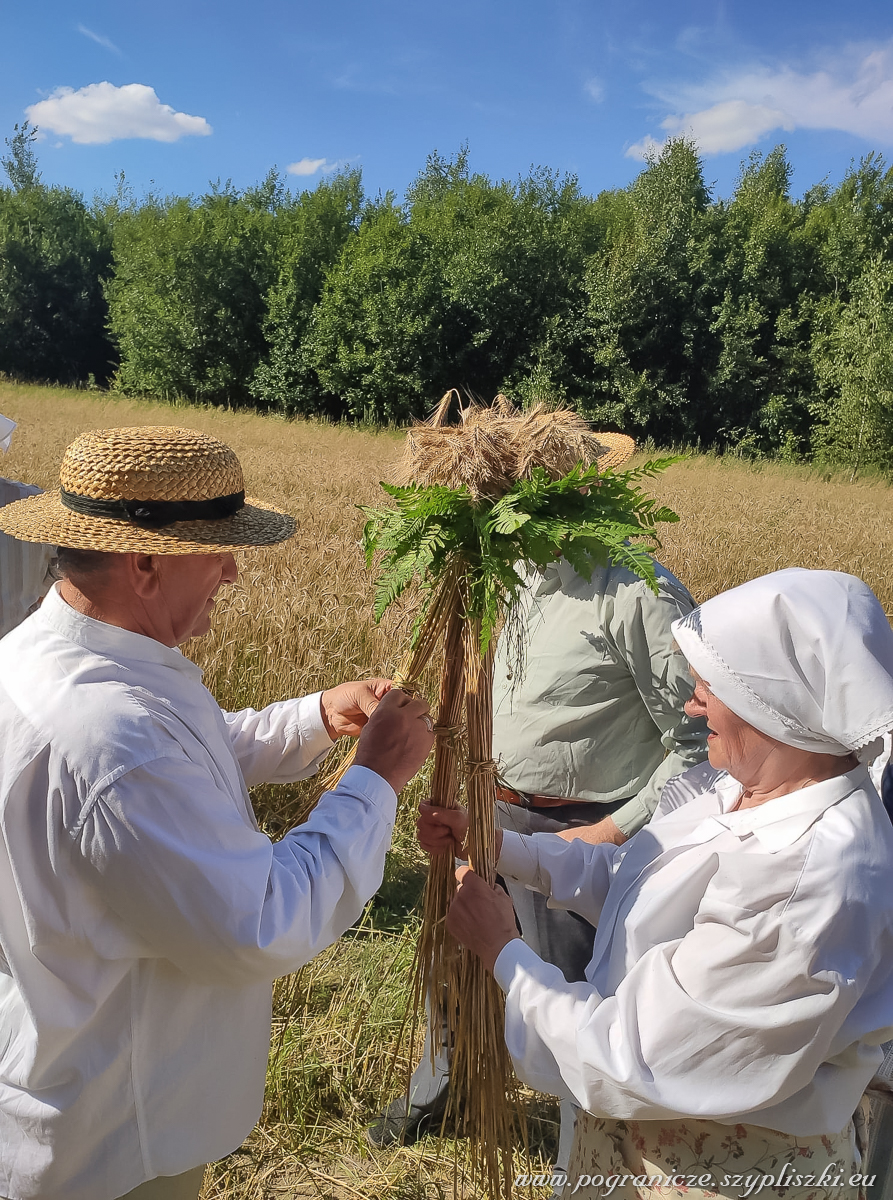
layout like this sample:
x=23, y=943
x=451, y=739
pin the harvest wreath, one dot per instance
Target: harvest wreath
x=478, y=505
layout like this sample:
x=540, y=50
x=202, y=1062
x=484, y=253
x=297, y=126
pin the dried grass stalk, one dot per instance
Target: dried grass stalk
x=487, y=453
x=437, y=951
x=482, y=1082
x=444, y=602
x=481, y=1070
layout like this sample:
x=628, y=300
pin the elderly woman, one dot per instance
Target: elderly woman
x=742, y=975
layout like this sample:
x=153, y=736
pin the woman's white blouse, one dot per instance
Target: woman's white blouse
x=743, y=966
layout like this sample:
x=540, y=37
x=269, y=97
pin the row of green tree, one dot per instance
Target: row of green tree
x=759, y=323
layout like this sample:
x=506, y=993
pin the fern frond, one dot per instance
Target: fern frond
x=588, y=517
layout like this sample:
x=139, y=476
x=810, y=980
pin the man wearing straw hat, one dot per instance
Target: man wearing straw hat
x=143, y=915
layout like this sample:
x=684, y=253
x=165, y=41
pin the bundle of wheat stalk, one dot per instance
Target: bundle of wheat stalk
x=492, y=448
x=479, y=503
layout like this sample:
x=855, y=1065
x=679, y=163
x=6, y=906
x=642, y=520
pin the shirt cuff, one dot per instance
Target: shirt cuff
x=515, y=956
x=311, y=727
x=370, y=785
x=518, y=858
x=632, y=816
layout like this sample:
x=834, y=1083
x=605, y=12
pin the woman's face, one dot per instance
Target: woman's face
x=732, y=744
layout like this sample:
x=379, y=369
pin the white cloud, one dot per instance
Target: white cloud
x=647, y=148
x=594, y=89
x=107, y=43
x=309, y=166
x=728, y=125
x=851, y=92
x=101, y=113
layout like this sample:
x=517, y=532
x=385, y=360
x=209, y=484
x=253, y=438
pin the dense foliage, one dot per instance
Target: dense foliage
x=188, y=295
x=759, y=323
x=54, y=255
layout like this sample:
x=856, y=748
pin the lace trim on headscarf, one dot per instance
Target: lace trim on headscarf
x=855, y=741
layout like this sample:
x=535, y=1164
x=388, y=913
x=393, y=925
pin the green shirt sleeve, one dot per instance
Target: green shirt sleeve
x=640, y=629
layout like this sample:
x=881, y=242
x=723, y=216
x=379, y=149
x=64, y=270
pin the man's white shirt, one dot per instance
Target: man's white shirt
x=743, y=965
x=143, y=915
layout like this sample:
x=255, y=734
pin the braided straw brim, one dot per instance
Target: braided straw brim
x=619, y=449
x=151, y=463
x=45, y=519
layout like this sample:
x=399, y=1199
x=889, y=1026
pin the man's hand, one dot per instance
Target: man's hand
x=481, y=917
x=397, y=738
x=603, y=831
x=346, y=708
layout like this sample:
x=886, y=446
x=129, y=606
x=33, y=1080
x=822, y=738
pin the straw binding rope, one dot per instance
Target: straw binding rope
x=448, y=732
x=483, y=767
x=405, y=683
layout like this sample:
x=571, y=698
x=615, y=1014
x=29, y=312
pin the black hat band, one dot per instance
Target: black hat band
x=155, y=514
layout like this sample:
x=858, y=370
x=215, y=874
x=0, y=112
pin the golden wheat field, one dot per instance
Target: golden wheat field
x=300, y=618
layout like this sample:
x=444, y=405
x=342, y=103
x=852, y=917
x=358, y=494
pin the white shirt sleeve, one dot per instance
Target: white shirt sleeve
x=283, y=742
x=734, y=1017
x=173, y=856
x=574, y=875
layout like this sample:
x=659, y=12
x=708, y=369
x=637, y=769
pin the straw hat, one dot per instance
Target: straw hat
x=149, y=490
x=618, y=449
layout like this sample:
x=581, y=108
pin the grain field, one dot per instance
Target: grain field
x=299, y=619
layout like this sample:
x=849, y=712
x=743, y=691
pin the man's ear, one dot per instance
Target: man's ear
x=144, y=574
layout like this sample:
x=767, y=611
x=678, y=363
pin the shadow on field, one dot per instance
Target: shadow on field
x=400, y=896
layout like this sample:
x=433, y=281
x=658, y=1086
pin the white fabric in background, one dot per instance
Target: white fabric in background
x=877, y=766
x=743, y=965
x=143, y=915
x=24, y=566
x=804, y=656
x=7, y=428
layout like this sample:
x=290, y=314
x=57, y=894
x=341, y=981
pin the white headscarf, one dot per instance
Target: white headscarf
x=804, y=656
x=6, y=429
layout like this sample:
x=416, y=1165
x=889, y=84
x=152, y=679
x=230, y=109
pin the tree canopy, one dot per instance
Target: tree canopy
x=758, y=323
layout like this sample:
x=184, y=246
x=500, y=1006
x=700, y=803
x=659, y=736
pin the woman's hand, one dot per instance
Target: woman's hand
x=442, y=830
x=481, y=917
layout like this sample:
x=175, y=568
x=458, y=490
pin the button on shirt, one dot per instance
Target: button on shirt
x=743, y=965
x=143, y=915
x=596, y=711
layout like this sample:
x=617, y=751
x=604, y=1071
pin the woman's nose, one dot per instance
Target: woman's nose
x=694, y=707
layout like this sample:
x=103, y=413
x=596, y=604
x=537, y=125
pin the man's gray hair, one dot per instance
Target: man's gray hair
x=73, y=564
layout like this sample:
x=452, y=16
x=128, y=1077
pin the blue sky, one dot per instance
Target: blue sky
x=178, y=94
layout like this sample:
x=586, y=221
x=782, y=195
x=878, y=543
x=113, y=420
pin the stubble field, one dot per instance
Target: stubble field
x=300, y=619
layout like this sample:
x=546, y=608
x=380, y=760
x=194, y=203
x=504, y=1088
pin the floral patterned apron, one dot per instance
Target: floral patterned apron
x=691, y=1159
